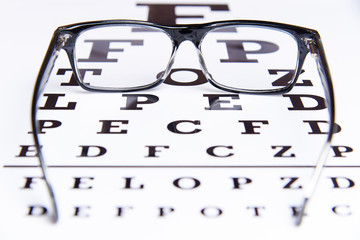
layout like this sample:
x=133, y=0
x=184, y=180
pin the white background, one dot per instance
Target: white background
x=26, y=29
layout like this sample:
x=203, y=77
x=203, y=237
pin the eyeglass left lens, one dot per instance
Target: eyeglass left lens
x=121, y=57
x=242, y=57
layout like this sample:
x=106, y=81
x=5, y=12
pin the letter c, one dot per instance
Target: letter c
x=173, y=127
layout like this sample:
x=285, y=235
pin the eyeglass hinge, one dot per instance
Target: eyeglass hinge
x=62, y=40
x=311, y=45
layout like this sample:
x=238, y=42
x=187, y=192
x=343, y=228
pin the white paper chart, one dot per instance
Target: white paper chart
x=184, y=160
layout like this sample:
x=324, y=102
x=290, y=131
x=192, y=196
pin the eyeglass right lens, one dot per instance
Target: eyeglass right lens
x=244, y=57
x=121, y=57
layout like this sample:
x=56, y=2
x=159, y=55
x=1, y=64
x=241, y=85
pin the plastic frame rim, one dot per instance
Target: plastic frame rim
x=179, y=33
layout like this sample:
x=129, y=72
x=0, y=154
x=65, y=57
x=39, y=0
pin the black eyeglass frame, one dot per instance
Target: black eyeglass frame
x=308, y=41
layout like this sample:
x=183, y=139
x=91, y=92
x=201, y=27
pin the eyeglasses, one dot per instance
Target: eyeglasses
x=234, y=56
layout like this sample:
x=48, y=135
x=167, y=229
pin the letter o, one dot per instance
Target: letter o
x=201, y=79
x=211, y=211
x=186, y=183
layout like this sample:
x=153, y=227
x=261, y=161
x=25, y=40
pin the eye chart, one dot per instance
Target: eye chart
x=183, y=160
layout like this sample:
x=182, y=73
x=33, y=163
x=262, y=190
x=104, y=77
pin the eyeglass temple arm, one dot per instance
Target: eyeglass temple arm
x=43, y=76
x=317, y=51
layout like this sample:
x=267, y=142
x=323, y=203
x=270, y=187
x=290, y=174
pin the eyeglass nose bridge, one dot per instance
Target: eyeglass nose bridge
x=191, y=33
